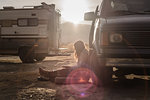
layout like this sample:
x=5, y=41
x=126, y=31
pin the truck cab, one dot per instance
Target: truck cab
x=120, y=37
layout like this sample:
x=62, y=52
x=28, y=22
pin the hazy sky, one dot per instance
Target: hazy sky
x=72, y=10
x=59, y=3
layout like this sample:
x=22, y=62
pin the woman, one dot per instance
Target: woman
x=81, y=54
x=83, y=69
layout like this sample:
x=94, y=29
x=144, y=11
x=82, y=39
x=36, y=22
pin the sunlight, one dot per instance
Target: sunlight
x=73, y=10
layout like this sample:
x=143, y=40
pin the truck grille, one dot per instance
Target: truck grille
x=137, y=38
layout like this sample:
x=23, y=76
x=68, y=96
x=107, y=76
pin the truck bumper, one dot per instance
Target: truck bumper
x=128, y=63
x=126, y=58
x=125, y=53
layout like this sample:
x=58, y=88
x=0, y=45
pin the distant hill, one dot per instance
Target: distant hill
x=72, y=32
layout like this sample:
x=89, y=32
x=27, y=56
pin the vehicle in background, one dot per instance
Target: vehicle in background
x=31, y=32
x=120, y=37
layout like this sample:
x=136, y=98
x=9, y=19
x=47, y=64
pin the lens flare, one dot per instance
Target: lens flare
x=81, y=81
x=90, y=80
x=82, y=94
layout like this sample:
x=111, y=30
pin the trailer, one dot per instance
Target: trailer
x=31, y=32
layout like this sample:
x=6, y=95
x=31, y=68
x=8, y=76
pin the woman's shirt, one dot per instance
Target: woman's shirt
x=83, y=58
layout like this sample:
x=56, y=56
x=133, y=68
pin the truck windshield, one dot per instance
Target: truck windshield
x=130, y=6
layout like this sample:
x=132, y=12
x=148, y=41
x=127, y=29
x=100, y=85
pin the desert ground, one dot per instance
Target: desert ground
x=17, y=78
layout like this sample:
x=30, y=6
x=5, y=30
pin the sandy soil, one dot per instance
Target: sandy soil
x=15, y=77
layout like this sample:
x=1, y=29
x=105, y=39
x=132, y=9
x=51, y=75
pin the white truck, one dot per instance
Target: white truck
x=30, y=32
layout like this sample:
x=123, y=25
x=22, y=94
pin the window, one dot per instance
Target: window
x=23, y=22
x=6, y=23
x=131, y=5
x=119, y=6
x=32, y=22
x=27, y=22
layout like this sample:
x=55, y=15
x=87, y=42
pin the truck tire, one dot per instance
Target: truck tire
x=103, y=73
x=26, y=54
x=40, y=57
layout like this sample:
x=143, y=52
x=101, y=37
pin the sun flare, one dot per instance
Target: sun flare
x=73, y=10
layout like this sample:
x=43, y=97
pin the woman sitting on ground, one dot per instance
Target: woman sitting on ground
x=81, y=54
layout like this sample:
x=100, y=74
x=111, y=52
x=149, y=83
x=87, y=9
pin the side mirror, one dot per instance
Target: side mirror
x=89, y=16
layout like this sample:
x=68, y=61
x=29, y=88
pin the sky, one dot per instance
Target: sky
x=71, y=10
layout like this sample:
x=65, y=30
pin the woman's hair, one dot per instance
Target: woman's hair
x=79, y=47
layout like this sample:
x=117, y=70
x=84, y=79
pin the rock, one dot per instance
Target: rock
x=51, y=75
x=60, y=80
x=63, y=72
x=47, y=74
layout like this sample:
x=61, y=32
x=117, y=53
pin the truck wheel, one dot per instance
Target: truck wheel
x=40, y=57
x=103, y=73
x=26, y=55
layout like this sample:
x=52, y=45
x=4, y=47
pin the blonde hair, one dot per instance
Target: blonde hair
x=78, y=47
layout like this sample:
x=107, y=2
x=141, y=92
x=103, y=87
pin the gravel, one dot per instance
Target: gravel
x=37, y=94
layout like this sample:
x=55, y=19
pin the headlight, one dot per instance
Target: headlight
x=115, y=38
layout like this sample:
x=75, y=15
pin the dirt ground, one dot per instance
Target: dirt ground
x=16, y=77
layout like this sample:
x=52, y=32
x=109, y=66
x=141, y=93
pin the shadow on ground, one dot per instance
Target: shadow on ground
x=135, y=89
